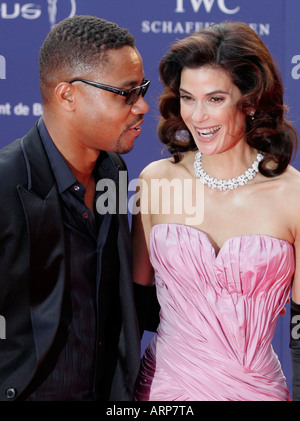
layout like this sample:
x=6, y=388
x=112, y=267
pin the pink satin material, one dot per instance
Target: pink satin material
x=218, y=316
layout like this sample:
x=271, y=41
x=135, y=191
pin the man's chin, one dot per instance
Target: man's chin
x=124, y=151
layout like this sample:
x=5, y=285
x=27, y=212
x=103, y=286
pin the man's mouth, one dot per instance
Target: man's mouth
x=137, y=126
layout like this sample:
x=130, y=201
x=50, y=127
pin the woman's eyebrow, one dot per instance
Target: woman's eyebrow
x=217, y=91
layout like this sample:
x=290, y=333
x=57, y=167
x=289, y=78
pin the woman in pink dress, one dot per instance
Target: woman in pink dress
x=221, y=233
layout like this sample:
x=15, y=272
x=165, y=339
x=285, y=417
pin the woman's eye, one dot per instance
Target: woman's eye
x=216, y=99
x=186, y=98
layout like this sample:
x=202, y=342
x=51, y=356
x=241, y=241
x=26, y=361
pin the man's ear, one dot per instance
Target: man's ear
x=64, y=93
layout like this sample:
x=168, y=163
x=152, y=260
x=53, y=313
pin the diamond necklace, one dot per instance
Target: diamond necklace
x=232, y=183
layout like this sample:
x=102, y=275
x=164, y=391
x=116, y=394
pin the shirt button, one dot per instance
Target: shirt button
x=11, y=393
x=85, y=215
x=76, y=188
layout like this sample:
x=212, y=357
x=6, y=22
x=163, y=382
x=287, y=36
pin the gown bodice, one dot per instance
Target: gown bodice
x=218, y=316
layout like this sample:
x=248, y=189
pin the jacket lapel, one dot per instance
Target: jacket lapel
x=40, y=201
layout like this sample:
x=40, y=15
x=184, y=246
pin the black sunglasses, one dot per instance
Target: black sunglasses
x=132, y=95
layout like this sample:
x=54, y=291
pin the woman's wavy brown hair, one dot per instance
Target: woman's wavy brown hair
x=237, y=49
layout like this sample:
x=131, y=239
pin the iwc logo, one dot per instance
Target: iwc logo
x=207, y=4
x=194, y=9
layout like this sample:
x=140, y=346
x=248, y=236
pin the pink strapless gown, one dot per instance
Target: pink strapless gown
x=218, y=316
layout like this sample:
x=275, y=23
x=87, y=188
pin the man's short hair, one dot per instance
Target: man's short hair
x=77, y=44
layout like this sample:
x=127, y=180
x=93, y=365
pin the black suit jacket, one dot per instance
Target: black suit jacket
x=32, y=277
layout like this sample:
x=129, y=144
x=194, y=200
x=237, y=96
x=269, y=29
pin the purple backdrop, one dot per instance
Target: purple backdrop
x=155, y=25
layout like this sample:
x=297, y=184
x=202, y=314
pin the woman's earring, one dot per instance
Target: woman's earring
x=252, y=113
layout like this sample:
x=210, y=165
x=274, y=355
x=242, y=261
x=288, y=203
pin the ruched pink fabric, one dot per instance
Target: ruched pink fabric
x=218, y=316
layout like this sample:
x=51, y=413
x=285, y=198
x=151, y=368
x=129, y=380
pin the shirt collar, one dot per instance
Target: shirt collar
x=104, y=168
x=62, y=173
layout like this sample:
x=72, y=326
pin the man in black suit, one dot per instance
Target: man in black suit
x=65, y=261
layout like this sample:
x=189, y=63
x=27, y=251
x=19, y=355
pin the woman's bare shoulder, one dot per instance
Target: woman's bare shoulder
x=291, y=188
x=291, y=178
x=157, y=167
x=167, y=168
